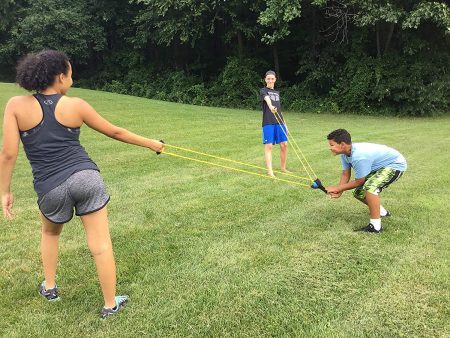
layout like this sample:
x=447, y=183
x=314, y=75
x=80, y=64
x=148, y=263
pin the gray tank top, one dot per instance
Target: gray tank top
x=54, y=150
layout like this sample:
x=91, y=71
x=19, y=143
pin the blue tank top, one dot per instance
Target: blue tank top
x=54, y=150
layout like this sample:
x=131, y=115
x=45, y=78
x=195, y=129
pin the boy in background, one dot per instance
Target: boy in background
x=273, y=126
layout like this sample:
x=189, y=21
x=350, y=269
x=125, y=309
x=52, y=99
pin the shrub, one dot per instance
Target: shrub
x=237, y=85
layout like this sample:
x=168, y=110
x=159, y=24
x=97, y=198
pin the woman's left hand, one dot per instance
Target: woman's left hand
x=7, y=204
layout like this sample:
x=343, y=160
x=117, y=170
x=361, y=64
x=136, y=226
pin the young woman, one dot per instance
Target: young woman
x=65, y=178
x=273, y=126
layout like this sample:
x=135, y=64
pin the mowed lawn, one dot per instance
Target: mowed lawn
x=208, y=252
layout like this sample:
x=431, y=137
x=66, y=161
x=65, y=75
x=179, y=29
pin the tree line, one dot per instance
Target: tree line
x=387, y=57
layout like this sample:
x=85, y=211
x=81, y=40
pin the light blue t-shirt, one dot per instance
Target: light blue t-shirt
x=368, y=157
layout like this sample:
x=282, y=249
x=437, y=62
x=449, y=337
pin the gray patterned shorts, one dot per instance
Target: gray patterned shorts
x=85, y=191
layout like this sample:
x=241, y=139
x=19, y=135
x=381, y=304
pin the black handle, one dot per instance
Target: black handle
x=158, y=152
x=318, y=185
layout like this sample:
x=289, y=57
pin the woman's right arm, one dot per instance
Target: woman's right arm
x=8, y=156
x=95, y=121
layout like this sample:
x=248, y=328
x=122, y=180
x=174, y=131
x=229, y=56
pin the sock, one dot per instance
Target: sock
x=376, y=223
x=111, y=308
x=46, y=288
x=383, y=211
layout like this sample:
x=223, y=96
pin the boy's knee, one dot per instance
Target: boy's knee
x=359, y=194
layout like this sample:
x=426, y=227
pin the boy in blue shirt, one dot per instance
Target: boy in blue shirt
x=376, y=166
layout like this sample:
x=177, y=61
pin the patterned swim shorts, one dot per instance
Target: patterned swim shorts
x=376, y=181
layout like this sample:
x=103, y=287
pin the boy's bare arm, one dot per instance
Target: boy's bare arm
x=269, y=103
x=345, y=184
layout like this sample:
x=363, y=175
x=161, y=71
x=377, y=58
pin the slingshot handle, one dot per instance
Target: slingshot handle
x=158, y=152
x=318, y=185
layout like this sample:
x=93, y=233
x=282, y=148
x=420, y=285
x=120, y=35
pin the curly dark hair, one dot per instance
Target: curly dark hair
x=339, y=136
x=37, y=71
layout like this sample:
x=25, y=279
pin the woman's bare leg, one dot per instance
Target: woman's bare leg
x=49, y=250
x=99, y=242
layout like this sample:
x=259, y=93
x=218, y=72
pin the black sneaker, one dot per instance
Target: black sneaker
x=50, y=294
x=120, y=303
x=388, y=214
x=370, y=228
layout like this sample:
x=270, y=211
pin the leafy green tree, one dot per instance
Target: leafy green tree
x=277, y=16
x=350, y=55
x=163, y=21
x=436, y=12
x=8, y=12
x=67, y=26
x=239, y=18
x=385, y=16
x=185, y=25
x=276, y=19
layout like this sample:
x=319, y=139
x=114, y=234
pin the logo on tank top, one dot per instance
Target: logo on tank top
x=48, y=102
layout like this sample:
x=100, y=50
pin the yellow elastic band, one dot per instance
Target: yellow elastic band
x=294, y=145
x=236, y=169
x=238, y=162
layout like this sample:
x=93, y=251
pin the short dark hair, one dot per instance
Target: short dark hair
x=270, y=72
x=339, y=136
x=37, y=71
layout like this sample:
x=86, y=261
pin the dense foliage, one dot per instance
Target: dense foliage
x=365, y=56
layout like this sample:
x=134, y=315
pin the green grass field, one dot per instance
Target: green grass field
x=208, y=252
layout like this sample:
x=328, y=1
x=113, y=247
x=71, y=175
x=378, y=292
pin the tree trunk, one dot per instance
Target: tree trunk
x=240, y=45
x=389, y=37
x=177, y=55
x=276, y=61
x=314, y=30
x=377, y=28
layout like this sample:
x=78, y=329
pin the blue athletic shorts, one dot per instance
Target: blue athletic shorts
x=274, y=134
